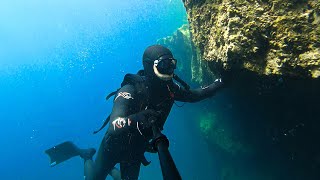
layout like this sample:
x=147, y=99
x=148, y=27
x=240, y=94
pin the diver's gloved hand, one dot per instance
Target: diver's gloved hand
x=150, y=148
x=145, y=118
x=218, y=81
x=211, y=89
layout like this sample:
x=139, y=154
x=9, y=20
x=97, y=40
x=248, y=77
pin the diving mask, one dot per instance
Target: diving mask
x=165, y=65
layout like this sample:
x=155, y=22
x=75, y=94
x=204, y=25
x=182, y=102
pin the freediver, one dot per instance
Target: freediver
x=143, y=96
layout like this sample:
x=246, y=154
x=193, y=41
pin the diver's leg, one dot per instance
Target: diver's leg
x=104, y=163
x=89, y=171
x=130, y=171
x=115, y=173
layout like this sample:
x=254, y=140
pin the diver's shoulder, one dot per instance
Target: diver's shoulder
x=128, y=88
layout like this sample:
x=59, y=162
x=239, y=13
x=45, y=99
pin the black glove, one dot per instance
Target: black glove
x=145, y=118
x=150, y=148
x=210, y=90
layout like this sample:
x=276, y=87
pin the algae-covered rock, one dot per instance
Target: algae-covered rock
x=221, y=136
x=270, y=37
x=190, y=66
x=272, y=126
x=180, y=45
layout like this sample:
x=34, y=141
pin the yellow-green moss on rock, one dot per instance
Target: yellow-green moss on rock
x=189, y=64
x=265, y=36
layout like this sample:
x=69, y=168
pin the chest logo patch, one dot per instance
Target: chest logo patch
x=125, y=95
x=119, y=123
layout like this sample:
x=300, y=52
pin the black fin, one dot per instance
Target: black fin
x=62, y=152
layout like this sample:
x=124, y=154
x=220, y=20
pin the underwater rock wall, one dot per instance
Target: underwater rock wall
x=272, y=108
x=189, y=66
x=270, y=37
x=180, y=45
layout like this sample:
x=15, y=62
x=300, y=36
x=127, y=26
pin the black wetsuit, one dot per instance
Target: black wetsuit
x=126, y=139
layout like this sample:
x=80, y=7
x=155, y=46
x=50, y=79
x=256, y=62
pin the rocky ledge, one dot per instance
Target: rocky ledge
x=268, y=37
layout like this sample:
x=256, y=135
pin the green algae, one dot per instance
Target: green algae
x=220, y=135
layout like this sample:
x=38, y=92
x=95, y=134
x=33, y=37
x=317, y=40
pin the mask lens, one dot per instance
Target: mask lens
x=166, y=66
x=169, y=63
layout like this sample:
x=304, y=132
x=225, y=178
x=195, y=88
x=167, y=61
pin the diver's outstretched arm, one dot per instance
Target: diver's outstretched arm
x=195, y=95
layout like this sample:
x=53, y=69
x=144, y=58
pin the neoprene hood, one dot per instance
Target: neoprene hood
x=158, y=53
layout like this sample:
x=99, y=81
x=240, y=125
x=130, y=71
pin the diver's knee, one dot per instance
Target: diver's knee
x=115, y=173
x=89, y=170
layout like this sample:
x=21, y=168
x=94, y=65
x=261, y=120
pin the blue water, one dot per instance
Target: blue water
x=58, y=61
